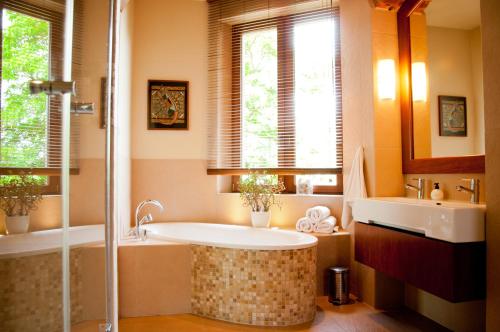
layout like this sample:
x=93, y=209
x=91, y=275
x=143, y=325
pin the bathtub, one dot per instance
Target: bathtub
x=31, y=277
x=42, y=242
x=240, y=274
x=233, y=273
x=230, y=236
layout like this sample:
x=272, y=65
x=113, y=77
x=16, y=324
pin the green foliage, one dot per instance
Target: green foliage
x=25, y=56
x=260, y=100
x=258, y=191
x=20, y=194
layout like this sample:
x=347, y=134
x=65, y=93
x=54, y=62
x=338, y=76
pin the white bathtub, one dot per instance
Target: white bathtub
x=41, y=242
x=230, y=236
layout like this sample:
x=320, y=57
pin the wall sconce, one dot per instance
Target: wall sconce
x=386, y=79
x=419, y=81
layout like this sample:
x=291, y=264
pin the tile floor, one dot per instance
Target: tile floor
x=352, y=317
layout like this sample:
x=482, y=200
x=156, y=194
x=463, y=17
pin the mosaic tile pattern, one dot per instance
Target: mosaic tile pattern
x=31, y=292
x=256, y=287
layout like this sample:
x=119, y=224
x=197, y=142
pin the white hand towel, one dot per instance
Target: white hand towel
x=326, y=225
x=305, y=224
x=318, y=213
x=354, y=187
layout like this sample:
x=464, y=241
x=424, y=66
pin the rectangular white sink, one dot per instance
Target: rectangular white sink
x=449, y=221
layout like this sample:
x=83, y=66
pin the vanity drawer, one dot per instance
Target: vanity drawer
x=453, y=271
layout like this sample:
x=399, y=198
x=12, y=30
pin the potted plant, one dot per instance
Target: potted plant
x=19, y=194
x=258, y=191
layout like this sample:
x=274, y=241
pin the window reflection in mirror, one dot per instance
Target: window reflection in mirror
x=446, y=64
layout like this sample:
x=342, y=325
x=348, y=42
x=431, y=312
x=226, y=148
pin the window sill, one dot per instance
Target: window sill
x=295, y=195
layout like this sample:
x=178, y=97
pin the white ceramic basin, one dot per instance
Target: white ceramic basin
x=450, y=221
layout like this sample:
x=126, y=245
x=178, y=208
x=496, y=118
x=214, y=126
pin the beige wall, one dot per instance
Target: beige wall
x=171, y=165
x=170, y=43
x=451, y=73
x=123, y=126
x=490, y=13
x=477, y=85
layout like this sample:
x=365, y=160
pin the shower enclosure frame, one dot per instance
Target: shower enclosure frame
x=111, y=262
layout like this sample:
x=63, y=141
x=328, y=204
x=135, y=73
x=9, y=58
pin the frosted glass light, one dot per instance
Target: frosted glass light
x=419, y=81
x=386, y=79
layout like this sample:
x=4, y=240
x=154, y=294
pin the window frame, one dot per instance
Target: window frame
x=286, y=107
x=54, y=121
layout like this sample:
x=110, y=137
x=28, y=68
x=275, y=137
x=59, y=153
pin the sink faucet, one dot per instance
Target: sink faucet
x=137, y=231
x=473, y=189
x=419, y=188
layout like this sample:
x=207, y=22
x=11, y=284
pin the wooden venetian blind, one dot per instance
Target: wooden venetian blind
x=30, y=130
x=274, y=87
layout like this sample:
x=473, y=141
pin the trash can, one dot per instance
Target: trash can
x=338, y=285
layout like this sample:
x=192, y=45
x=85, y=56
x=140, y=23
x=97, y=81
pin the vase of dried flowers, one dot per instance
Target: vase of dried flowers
x=19, y=194
x=259, y=192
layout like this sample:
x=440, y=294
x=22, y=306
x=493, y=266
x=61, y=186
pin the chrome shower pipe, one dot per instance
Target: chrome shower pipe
x=110, y=217
x=66, y=133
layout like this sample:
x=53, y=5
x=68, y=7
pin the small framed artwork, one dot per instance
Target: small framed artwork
x=168, y=104
x=452, y=116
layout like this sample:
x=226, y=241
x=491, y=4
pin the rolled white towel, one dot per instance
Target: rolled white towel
x=318, y=213
x=327, y=225
x=305, y=224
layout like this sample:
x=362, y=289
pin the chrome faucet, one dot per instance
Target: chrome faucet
x=137, y=231
x=419, y=188
x=473, y=190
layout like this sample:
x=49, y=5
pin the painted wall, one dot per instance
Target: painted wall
x=123, y=125
x=171, y=165
x=490, y=12
x=452, y=72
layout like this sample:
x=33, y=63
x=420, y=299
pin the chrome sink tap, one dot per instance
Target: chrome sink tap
x=137, y=231
x=419, y=188
x=473, y=190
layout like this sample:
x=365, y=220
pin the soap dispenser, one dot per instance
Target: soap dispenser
x=437, y=194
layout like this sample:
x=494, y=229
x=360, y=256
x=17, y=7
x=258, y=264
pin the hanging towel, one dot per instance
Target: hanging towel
x=326, y=225
x=318, y=213
x=305, y=224
x=354, y=187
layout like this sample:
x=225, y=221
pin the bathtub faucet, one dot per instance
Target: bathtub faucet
x=137, y=231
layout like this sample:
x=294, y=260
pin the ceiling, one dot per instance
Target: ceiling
x=457, y=14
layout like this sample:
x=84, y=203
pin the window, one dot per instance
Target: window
x=285, y=99
x=31, y=40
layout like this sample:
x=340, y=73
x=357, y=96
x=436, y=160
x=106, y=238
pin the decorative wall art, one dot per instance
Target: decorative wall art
x=452, y=116
x=168, y=104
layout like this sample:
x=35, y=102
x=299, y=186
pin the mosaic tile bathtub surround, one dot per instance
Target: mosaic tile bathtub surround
x=31, y=292
x=256, y=287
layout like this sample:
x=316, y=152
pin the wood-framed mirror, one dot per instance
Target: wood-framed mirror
x=442, y=121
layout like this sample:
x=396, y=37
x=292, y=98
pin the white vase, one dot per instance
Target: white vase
x=261, y=219
x=17, y=224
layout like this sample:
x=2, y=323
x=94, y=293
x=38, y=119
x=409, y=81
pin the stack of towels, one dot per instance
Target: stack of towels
x=318, y=220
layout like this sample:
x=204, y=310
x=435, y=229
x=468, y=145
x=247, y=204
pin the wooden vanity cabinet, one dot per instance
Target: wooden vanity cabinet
x=453, y=271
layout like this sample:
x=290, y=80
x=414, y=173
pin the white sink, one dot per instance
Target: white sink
x=449, y=221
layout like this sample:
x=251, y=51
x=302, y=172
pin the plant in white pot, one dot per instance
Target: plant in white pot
x=19, y=194
x=258, y=191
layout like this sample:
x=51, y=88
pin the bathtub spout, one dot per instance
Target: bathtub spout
x=137, y=231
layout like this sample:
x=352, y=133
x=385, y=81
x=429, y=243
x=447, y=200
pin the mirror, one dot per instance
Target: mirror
x=446, y=79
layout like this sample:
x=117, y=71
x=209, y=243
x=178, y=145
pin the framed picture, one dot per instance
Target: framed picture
x=168, y=105
x=452, y=116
